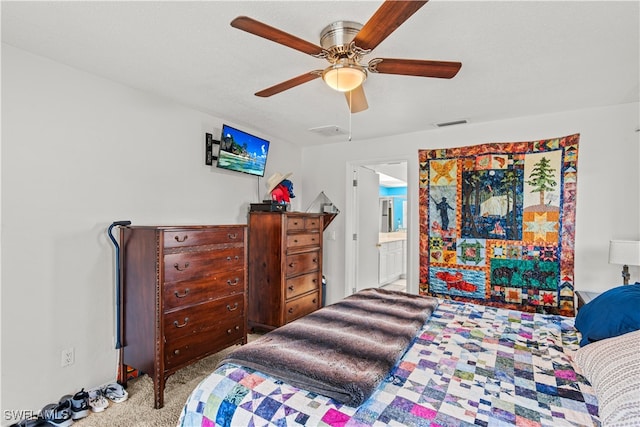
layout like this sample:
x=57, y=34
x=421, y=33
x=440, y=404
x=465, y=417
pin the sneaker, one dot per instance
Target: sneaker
x=97, y=401
x=58, y=414
x=64, y=399
x=115, y=393
x=80, y=405
x=31, y=422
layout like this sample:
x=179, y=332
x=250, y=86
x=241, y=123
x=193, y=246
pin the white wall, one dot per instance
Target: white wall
x=79, y=152
x=608, y=196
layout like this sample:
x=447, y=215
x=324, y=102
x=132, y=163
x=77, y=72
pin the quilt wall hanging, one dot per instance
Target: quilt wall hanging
x=497, y=224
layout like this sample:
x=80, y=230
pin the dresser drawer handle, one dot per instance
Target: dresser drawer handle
x=235, y=258
x=314, y=301
x=232, y=236
x=292, y=264
x=234, y=283
x=230, y=331
x=177, y=266
x=177, y=325
x=290, y=311
x=184, y=239
x=234, y=308
x=176, y=352
x=179, y=295
x=314, y=260
x=291, y=288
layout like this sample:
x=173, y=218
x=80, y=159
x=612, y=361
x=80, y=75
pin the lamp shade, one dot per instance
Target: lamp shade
x=344, y=76
x=624, y=252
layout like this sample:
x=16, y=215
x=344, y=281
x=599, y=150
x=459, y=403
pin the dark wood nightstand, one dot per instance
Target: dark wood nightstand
x=584, y=297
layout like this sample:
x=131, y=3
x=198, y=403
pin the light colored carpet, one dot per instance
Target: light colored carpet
x=138, y=410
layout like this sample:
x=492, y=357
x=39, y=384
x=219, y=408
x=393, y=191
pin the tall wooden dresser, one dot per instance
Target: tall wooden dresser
x=183, y=297
x=285, y=267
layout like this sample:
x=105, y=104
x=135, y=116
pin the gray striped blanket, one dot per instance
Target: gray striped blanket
x=344, y=350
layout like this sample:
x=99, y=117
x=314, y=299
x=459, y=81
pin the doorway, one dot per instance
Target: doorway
x=379, y=222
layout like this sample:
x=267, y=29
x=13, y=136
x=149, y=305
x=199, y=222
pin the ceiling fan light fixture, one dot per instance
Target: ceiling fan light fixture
x=344, y=76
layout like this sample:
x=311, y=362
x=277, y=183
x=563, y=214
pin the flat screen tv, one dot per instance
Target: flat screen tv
x=242, y=152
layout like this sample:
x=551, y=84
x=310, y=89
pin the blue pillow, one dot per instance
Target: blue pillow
x=612, y=313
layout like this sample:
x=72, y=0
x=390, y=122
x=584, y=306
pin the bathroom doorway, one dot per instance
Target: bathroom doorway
x=377, y=256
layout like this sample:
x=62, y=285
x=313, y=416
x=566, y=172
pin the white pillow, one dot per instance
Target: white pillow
x=612, y=366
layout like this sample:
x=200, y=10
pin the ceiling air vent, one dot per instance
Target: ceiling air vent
x=453, y=123
x=328, y=131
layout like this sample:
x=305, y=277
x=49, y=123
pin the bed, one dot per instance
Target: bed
x=466, y=364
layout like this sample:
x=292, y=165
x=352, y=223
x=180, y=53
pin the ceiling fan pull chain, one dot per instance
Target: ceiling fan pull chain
x=350, y=113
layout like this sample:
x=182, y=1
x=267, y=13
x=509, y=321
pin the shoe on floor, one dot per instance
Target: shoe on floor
x=31, y=422
x=97, y=401
x=65, y=398
x=115, y=393
x=58, y=414
x=80, y=405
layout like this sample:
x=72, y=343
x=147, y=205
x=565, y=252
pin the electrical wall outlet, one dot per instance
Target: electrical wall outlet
x=67, y=357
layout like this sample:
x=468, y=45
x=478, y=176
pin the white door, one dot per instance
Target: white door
x=367, y=226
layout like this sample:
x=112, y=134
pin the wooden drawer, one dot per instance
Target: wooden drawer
x=193, y=265
x=301, y=285
x=299, y=223
x=295, y=223
x=202, y=317
x=306, y=239
x=312, y=224
x=195, y=237
x=186, y=349
x=219, y=284
x=301, y=306
x=302, y=263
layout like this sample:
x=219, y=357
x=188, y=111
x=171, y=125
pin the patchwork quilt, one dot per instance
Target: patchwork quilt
x=497, y=224
x=469, y=365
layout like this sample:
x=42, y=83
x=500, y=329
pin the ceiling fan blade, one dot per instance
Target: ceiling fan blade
x=415, y=67
x=257, y=28
x=356, y=100
x=291, y=83
x=387, y=18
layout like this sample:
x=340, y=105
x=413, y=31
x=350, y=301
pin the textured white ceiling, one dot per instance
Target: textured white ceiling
x=518, y=58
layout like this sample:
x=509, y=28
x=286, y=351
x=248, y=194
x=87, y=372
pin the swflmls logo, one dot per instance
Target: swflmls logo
x=19, y=414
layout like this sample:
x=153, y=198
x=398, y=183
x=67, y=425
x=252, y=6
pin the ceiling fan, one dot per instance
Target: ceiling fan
x=344, y=44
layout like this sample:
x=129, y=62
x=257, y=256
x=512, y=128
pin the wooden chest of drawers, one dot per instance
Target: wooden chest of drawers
x=285, y=267
x=183, y=297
